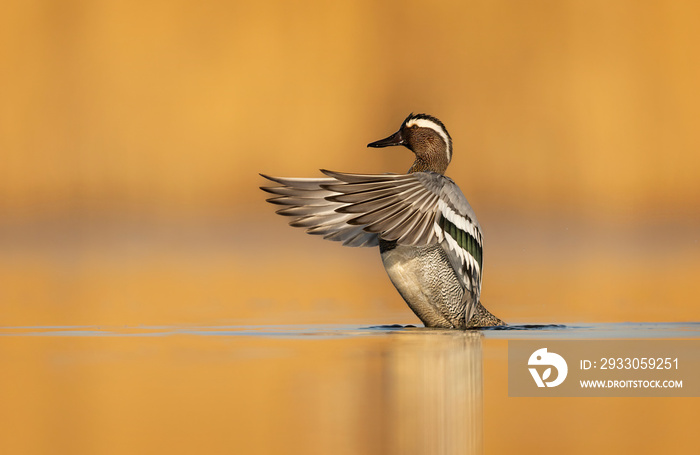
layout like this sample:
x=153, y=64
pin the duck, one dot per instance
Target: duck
x=429, y=239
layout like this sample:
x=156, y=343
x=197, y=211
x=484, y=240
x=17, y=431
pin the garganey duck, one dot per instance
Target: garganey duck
x=428, y=236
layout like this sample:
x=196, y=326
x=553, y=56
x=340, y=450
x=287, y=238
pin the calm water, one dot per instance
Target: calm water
x=352, y=389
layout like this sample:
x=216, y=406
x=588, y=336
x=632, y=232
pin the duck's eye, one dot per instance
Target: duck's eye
x=413, y=127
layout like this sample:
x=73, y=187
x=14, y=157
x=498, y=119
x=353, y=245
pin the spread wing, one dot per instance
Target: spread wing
x=421, y=208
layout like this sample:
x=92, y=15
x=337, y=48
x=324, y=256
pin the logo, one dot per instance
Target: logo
x=542, y=357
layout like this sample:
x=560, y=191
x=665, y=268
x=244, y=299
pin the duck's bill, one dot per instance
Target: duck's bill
x=394, y=139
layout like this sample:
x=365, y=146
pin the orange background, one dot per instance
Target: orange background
x=132, y=135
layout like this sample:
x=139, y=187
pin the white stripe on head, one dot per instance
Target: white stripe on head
x=426, y=123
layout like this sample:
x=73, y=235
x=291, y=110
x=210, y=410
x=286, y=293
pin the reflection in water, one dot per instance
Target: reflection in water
x=246, y=389
x=308, y=390
x=433, y=396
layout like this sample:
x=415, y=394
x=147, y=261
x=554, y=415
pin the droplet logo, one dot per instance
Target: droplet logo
x=542, y=357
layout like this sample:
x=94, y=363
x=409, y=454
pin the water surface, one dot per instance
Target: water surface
x=311, y=389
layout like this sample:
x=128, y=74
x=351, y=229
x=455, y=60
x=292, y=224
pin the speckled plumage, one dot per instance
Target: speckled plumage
x=430, y=241
x=427, y=282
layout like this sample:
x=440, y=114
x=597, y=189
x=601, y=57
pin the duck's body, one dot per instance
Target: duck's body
x=427, y=282
x=429, y=239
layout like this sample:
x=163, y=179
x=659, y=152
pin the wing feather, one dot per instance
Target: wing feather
x=358, y=209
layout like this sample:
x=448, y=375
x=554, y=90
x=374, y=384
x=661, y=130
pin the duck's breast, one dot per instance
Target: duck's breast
x=427, y=282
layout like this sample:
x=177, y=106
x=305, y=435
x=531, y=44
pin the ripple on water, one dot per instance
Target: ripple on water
x=639, y=330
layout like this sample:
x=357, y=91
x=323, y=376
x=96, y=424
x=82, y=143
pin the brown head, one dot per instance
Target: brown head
x=425, y=136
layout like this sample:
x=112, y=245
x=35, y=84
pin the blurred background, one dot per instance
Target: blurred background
x=131, y=138
x=132, y=135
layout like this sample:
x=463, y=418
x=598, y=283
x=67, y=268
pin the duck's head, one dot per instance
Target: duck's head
x=425, y=136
